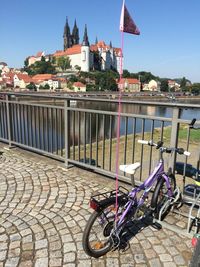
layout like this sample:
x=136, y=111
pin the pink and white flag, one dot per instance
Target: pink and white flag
x=126, y=22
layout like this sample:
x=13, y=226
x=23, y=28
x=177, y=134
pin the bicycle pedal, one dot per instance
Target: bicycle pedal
x=124, y=246
x=157, y=226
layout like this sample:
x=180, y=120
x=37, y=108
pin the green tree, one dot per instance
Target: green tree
x=73, y=79
x=183, y=82
x=78, y=68
x=63, y=63
x=106, y=80
x=164, y=85
x=195, y=88
x=26, y=62
x=31, y=86
x=46, y=86
x=126, y=74
x=39, y=67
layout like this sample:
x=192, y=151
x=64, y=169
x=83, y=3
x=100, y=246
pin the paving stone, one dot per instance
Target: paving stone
x=139, y=258
x=41, y=244
x=112, y=262
x=69, y=257
x=3, y=255
x=42, y=262
x=179, y=260
x=165, y=257
x=155, y=263
x=150, y=253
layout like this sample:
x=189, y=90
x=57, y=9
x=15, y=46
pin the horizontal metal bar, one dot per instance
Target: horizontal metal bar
x=39, y=151
x=78, y=98
x=36, y=105
x=122, y=114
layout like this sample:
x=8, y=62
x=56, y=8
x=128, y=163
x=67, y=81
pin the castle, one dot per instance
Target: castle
x=98, y=56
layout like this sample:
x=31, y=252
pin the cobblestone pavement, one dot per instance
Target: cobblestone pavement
x=44, y=209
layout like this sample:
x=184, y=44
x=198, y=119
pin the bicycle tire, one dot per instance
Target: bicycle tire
x=159, y=196
x=98, y=249
x=195, y=261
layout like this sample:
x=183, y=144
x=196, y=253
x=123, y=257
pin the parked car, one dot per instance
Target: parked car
x=190, y=171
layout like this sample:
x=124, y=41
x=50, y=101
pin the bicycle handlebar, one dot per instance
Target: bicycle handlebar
x=191, y=124
x=159, y=145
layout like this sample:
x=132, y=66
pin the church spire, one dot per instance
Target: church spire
x=85, y=38
x=75, y=34
x=66, y=28
x=110, y=44
x=96, y=41
x=67, y=35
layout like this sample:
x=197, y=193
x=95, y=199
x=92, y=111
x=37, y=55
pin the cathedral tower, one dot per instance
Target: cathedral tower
x=67, y=36
x=85, y=52
x=75, y=34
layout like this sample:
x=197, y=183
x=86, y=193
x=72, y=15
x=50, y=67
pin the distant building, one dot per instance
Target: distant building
x=50, y=79
x=21, y=80
x=173, y=84
x=2, y=65
x=129, y=85
x=79, y=87
x=152, y=86
x=37, y=57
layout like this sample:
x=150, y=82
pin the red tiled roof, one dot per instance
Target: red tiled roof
x=79, y=84
x=42, y=77
x=129, y=80
x=75, y=49
x=100, y=44
x=25, y=77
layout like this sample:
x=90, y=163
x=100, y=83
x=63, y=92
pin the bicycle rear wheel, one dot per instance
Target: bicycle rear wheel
x=160, y=196
x=96, y=237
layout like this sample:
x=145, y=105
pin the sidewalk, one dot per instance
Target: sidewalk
x=44, y=209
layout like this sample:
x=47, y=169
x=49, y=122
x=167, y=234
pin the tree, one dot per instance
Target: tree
x=195, y=88
x=183, y=82
x=26, y=62
x=78, y=68
x=164, y=86
x=39, y=67
x=46, y=86
x=106, y=80
x=126, y=74
x=31, y=86
x=63, y=63
x=73, y=79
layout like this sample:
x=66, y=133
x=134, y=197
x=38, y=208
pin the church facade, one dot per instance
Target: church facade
x=88, y=57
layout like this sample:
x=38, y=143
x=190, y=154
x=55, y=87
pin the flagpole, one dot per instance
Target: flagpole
x=118, y=121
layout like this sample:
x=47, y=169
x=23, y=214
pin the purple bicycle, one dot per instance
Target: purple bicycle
x=105, y=227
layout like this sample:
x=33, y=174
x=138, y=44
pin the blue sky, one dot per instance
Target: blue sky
x=169, y=44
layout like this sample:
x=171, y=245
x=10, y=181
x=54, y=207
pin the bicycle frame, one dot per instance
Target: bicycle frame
x=146, y=186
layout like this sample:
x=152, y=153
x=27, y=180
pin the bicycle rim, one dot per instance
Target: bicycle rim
x=96, y=237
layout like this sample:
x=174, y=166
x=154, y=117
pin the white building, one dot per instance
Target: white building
x=88, y=57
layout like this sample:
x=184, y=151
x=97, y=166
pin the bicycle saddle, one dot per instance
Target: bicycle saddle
x=130, y=168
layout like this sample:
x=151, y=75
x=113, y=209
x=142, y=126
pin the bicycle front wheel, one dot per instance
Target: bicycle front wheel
x=160, y=196
x=96, y=237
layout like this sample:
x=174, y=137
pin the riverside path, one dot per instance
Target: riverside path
x=44, y=209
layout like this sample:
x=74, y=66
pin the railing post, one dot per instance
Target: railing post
x=67, y=131
x=8, y=121
x=174, y=135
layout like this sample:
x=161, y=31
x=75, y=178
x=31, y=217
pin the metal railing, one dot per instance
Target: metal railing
x=85, y=135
